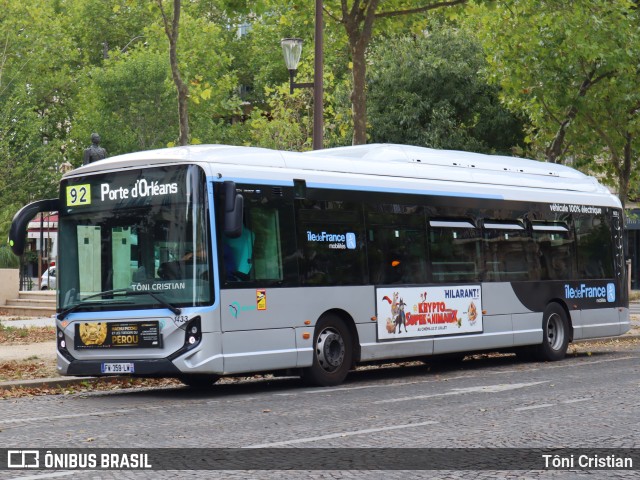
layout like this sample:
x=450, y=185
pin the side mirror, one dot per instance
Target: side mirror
x=20, y=222
x=233, y=210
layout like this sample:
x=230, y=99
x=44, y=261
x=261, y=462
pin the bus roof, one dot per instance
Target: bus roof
x=380, y=160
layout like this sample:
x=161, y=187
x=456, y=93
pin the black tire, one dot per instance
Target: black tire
x=555, y=334
x=199, y=381
x=332, y=353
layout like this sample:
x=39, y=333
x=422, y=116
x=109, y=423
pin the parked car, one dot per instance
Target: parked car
x=48, y=279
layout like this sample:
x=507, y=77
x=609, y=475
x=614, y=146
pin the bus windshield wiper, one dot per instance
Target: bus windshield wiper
x=160, y=300
x=126, y=291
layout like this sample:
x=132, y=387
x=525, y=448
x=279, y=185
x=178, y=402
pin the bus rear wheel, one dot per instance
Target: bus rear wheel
x=199, y=381
x=555, y=334
x=332, y=353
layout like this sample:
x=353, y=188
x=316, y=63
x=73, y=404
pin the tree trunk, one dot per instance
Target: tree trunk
x=358, y=95
x=554, y=151
x=182, y=88
x=625, y=170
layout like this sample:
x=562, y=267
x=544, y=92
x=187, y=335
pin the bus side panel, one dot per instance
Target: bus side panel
x=527, y=328
x=598, y=323
x=256, y=308
x=397, y=349
x=259, y=350
x=497, y=334
x=625, y=322
x=264, y=329
x=576, y=322
x=500, y=299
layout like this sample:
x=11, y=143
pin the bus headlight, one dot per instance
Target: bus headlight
x=62, y=346
x=193, y=332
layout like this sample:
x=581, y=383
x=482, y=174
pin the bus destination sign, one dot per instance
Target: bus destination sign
x=126, y=189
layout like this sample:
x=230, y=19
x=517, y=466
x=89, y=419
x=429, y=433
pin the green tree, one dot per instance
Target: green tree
x=129, y=101
x=358, y=20
x=573, y=68
x=428, y=90
x=101, y=29
x=37, y=62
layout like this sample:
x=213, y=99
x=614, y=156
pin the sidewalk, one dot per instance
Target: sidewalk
x=47, y=351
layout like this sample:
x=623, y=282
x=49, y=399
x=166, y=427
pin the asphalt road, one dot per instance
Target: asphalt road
x=584, y=401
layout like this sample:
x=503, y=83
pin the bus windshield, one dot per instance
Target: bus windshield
x=126, y=233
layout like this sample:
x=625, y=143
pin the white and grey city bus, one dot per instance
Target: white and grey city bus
x=202, y=261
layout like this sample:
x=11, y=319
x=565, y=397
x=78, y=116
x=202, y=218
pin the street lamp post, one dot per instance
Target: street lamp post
x=292, y=49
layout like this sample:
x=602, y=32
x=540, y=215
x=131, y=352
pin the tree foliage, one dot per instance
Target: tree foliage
x=359, y=19
x=429, y=90
x=129, y=101
x=573, y=68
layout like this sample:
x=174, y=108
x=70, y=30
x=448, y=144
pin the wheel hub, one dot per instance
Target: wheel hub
x=330, y=350
x=555, y=332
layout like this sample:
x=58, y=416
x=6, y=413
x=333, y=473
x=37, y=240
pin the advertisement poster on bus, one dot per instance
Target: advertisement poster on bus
x=409, y=312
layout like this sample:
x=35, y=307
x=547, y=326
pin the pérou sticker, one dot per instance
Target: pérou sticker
x=428, y=311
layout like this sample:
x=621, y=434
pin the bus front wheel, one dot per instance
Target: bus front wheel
x=332, y=353
x=555, y=334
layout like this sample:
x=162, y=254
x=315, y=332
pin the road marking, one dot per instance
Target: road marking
x=530, y=368
x=533, y=407
x=61, y=417
x=576, y=400
x=340, y=435
x=590, y=362
x=463, y=391
x=329, y=390
x=544, y=405
x=50, y=475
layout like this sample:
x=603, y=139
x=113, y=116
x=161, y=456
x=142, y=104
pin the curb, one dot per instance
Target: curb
x=65, y=381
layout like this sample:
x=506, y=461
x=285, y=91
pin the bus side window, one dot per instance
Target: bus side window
x=554, y=249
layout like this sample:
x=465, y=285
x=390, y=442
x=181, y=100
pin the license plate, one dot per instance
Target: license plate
x=117, y=368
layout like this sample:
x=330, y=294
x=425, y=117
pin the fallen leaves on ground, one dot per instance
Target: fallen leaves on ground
x=103, y=385
x=25, y=335
x=27, y=370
